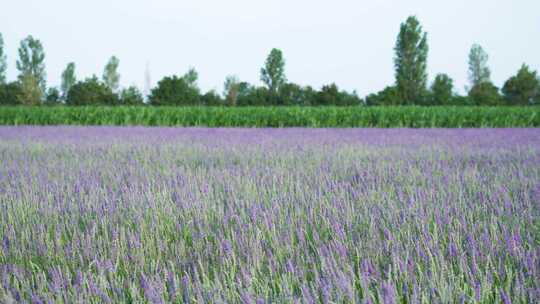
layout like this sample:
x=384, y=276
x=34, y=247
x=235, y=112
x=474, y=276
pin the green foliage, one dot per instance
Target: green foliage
x=328, y=95
x=458, y=100
x=482, y=90
x=32, y=62
x=411, y=62
x=53, y=97
x=478, y=69
x=211, y=98
x=388, y=96
x=410, y=88
x=244, y=94
x=176, y=90
x=91, y=92
x=485, y=94
x=68, y=79
x=331, y=95
x=273, y=72
x=31, y=93
x=231, y=90
x=111, y=77
x=293, y=94
x=382, y=117
x=131, y=96
x=191, y=77
x=254, y=96
x=10, y=92
x=523, y=88
x=441, y=90
x=290, y=94
x=3, y=61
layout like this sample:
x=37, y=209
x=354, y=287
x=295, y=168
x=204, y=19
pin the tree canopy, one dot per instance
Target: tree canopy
x=409, y=88
x=523, y=88
x=174, y=90
x=410, y=61
x=3, y=61
x=68, y=79
x=479, y=71
x=273, y=72
x=91, y=92
x=111, y=77
x=31, y=62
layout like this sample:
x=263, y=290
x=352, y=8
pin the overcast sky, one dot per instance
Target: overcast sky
x=346, y=42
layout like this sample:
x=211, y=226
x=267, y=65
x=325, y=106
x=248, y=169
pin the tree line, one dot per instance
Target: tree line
x=410, y=87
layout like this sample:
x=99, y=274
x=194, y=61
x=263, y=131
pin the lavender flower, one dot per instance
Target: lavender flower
x=269, y=215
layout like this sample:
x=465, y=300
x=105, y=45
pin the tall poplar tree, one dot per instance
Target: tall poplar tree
x=31, y=62
x=410, y=61
x=478, y=69
x=68, y=79
x=273, y=72
x=3, y=61
x=111, y=77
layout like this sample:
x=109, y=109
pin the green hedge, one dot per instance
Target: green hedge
x=383, y=117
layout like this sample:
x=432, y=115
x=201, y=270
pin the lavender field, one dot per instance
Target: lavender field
x=165, y=215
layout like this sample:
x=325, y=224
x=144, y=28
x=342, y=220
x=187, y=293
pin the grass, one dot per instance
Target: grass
x=314, y=117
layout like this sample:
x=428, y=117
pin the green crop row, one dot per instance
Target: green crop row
x=382, y=117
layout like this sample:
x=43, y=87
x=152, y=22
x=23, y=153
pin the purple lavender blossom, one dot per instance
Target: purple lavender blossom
x=269, y=215
x=505, y=298
x=388, y=293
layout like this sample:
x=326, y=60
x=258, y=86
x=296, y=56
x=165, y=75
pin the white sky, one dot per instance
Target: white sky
x=346, y=42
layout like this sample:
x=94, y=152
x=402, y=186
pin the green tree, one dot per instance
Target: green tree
x=537, y=100
x=3, y=61
x=111, y=77
x=91, y=92
x=388, y=96
x=175, y=90
x=254, y=96
x=68, y=79
x=32, y=62
x=231, y=90
x=273, y=72
x=31, y=93
x=485, y=94
x=459, y=100
x=330, y=95
x=247, y=94
x=294, y=94
x=482, y=91
x=410, y=61
x=52, y=97
x=211, y=98
x=442, y=90
x=131, y=96
x=478, y=69
x=10, y=92
x=523, y=88
x=191, y=77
